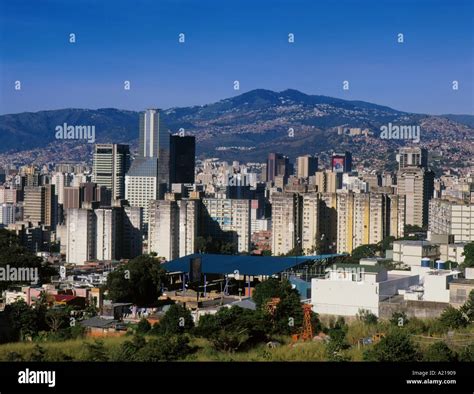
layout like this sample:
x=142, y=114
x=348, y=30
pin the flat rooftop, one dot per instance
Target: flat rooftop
x=245, y=265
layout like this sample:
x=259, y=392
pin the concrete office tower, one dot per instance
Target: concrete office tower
x=10, y=195
x=60, y=180
x=72, y=197
x=80, y=235
x=107, y=238
x=132, y=232
x=307, y=166
x=341, y=162
x=278, y=165
x=188, y=226
x=452, y=218
x=412, y=157
x=148, y=177
x=163, y=228
x=228, y=220
x=286, y=222
x=416, y=184
x=364, y=218
x=7, y=214
x=110, y=164
x=182, y=159
x=40, y=205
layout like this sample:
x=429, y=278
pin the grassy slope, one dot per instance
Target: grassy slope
x=303, y=351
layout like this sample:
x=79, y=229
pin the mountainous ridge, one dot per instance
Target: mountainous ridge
x=251, y=124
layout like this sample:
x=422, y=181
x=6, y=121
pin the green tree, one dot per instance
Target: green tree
x=288, y=315
x=385, y=244
x=13, y=254
x=367, y=317
x=129, y=349
x=95, y=351
x=439, y=351
x=23, y=318
x=467, y=354
x=296, y=251
x=176, y=320
x=143, y=326
x=452, y=318
x=337, y=342
x=164, y=348
x=395, y=346
x=57, y=318
x=363, y=251
x=468, y=255
x=468, y=308
x=232, y=329
x=399, y=319
x=140, y=281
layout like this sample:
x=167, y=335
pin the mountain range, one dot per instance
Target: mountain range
x=244, y=127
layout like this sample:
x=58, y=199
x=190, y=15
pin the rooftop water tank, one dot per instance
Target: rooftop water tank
x=425, y=262
x=440, y=265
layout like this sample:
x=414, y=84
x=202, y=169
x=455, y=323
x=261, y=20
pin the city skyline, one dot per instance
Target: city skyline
x=333, y=42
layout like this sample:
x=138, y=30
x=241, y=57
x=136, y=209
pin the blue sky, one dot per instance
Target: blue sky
x=227, y=40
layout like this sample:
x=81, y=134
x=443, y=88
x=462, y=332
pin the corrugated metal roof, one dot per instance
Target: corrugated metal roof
x=246, y=265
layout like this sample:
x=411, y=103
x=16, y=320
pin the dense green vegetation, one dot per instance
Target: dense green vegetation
x=140, y=281
x=14, y=255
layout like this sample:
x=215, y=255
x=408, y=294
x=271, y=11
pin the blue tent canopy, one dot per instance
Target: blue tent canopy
x=245, y=265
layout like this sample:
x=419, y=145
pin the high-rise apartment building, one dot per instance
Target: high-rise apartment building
x=452, y=218
x=286, y=222
x=328, y=181
x=102, y=233
x=416, y=184
x=367, y=218
x=163, y=228
x=80, y=235
x=228, y=220
x=173, y=227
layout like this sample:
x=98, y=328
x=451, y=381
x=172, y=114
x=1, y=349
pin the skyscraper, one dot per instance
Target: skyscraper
x=110, y=164
x=367, y=218
x=286, y=222
x=341, y=162
x=148, y=177
x=307, y=166
x=40, y=205
x=182, y=159
x=412, y=157
x=417, y=185
x=278, y=165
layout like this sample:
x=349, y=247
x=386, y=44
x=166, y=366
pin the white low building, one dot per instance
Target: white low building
x=434, y=282
x=349, y=288
x=411, y=252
